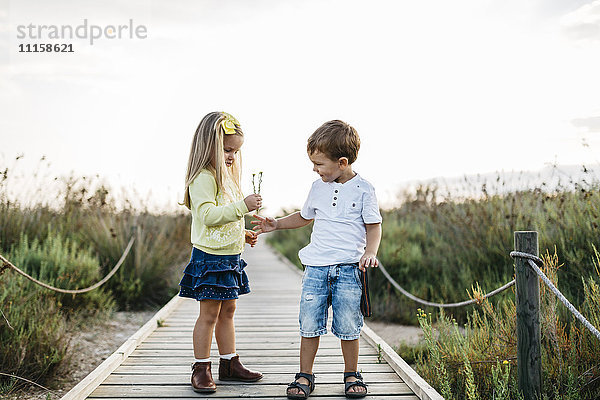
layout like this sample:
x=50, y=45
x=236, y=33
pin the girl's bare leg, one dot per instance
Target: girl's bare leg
x=225, y=328
x=203, y=329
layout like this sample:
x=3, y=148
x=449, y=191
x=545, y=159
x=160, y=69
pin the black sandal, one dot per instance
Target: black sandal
x=306, y=389
x=357, y=382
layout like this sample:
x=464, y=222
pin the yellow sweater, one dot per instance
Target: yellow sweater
x=217, y=218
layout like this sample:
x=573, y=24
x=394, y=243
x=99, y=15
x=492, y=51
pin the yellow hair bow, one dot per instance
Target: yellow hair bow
x=229, y=124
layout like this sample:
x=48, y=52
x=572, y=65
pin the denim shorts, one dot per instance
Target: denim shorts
x=337, y=286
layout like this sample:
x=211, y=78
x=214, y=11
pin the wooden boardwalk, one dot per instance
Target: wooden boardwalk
x=156, y=362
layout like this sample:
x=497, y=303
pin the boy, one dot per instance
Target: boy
x=345, y=238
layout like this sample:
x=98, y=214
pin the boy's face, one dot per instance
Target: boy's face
x=329, y=170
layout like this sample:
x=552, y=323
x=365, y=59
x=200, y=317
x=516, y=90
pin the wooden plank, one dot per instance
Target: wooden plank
x=248, y=314
x=196, y=396
x=240, y=346
x=291, y=360
x=266, y=328
x=260, y=330
x=258, y=319
x=230, y=390
x=290, y=345
x=247, y=353
x=292, y=323
x=245, y=343
x=291, y=369
x=264, y=310
x=268, y=379
x=243, y=335
x=244, y=339
x=271, y=332
x=262, y=315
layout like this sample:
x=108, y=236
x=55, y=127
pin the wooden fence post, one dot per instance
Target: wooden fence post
x=529, y=364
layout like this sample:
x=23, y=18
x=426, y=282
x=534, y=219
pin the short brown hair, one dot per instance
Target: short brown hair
x=335, y=139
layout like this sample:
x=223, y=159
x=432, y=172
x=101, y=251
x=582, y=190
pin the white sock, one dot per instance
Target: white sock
x=201, y=360
x=228, y=356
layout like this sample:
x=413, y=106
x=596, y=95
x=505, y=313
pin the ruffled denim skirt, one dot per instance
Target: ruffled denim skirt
x=217, y=277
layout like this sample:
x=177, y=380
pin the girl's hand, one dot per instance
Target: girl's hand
x=368, y=260
x=264, y=224
x=251, y=238
x=253, y=202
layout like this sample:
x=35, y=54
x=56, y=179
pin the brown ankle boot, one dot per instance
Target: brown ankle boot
x=234, y=370
x=202, y=380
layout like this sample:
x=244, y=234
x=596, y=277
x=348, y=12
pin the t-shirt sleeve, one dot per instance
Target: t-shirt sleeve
x=308, y=210
x=203, y=192
x=370, y=210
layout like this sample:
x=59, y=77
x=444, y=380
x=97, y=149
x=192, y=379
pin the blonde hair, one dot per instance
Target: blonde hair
x=207, y=153
x=335, y=139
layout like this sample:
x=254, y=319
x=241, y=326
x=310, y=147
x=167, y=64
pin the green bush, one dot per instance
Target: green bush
x=35, y=344
x=63, y=264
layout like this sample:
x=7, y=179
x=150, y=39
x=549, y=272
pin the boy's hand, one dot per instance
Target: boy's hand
x=251, y=238
x=368, y=260
x=264, y=224
x=253, y=202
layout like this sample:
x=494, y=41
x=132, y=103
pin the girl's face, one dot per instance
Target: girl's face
x=231, y=145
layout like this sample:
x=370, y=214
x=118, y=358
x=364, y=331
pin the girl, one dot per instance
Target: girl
x=215, y=274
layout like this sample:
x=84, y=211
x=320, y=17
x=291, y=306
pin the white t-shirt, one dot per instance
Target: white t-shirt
x=340, y=211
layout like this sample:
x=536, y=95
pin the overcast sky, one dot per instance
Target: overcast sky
x=435, y=88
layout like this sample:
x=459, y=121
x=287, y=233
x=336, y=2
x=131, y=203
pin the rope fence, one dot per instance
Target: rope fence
x=7, y=264
x=533, y=260
x=441, y=305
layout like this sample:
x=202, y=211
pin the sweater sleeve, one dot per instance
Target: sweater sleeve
x=203, y=193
